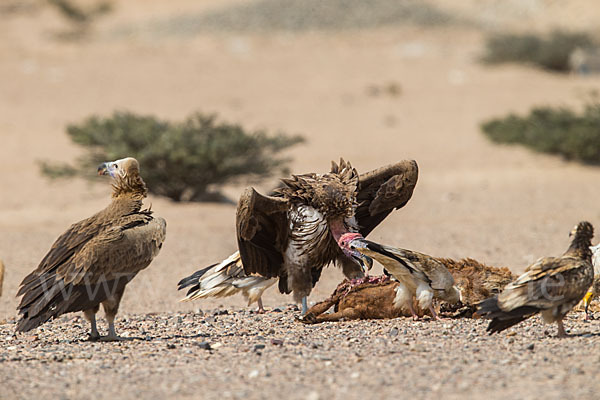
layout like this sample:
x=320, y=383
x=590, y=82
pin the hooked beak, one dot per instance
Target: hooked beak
x=108, y=168
x=103, y=169
x=357, y=247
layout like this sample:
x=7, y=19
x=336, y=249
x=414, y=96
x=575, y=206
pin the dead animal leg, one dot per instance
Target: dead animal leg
x=347, y=314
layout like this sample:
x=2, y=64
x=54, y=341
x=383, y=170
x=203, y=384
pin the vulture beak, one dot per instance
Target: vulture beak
x=345, y=242
x=103, y=169
x=365, y=262
x=109, y=168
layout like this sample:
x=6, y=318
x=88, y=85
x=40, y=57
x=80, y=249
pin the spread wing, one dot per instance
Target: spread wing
x=547, y=283
x=382, y=190
x=262, y=232
x=83, y=269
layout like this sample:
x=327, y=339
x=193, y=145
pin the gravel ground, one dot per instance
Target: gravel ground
x=239, y=354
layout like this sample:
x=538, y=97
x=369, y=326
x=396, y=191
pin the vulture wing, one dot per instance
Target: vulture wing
x=547, y=283
x=382, y=190
x=83, y=269
x=262, y=232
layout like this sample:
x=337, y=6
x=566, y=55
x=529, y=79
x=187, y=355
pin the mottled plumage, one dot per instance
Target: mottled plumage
x=551, y=286
x=95, y=258
x=420, y=275
x=293, y=234
x=594, y=290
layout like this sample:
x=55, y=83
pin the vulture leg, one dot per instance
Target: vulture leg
x=304, y=305
x=561, y=329
x=111, y=307
x=90, y=315
x=433, y=313
x=261, y=309
x=414, y=314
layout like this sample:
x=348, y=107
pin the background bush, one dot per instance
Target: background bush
x=549, y=52
x=179, y=160
x=552, y=130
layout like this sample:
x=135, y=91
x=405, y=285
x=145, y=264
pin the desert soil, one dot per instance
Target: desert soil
x=502, y=205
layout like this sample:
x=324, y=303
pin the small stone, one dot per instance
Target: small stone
x=253, y=374
x=259, y=346
x=394, y=332
x=171, y=346
x=277, y=342
x=204, y=345
x=531, y=346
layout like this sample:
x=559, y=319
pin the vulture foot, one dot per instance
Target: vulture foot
x=304, y=305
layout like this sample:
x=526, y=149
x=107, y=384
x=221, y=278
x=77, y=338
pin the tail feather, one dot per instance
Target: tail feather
x=500, y=319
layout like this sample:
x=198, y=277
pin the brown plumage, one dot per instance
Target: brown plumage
x=95, y=258
x=1, y=276
x=551, y=286
x=292, y=235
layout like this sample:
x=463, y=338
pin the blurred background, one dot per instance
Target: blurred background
x=495, y=99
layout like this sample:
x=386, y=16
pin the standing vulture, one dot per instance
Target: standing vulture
x=421, y=276
x=95, y=258
x=292, y=235
x=551, y=286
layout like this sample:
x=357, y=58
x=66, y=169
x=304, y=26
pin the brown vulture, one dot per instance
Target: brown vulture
x=95, y=258
x=293, y=234
x=1, y=276
x=551, y=286
x=421, y=276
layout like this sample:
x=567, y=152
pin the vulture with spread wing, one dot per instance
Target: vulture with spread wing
x=91, y=262
x=551, y=286
x=292, y=235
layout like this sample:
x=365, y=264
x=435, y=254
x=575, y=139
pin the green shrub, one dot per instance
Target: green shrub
x=552, y=130
x=550, y=52
x=180, y=160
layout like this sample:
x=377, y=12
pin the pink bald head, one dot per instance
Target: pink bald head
x=347, y=237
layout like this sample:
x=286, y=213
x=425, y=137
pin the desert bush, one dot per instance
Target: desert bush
x=550, y=52
x=575, y=136
x=181, y=160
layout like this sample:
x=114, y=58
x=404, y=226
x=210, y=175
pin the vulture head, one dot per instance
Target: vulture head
x=365, y=261
x=581, y=240
x=126, y=175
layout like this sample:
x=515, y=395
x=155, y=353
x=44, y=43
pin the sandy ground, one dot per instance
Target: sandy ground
x=501, y=205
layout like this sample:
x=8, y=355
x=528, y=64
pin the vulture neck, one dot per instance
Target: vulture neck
x=129, y=189
x=337, y=228
x=580, y=247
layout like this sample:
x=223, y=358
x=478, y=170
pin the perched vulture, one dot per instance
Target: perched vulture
x=551, y=286
x=421, y=276
x=1, y=276
x=292, y=235
x=595, y=288
x=95, y=258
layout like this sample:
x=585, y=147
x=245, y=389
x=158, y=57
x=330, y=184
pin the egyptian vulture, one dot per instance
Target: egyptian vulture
x=91, y=262
x=292, y=235
x=421, y=276
x=551, y=286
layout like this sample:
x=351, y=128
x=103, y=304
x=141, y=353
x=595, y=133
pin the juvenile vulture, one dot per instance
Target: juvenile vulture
x=1, y=276
x=292, y=235
x=595, y=288
x=421, y=276
x=226, y=279
x=551, y=286
x=95, y=258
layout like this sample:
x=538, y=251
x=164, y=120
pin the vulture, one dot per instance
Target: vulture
x=291, y=235
x=421, y=276
x=595, y=288
x=95, y=258
x=226, y=279
x=551, y=286
x=1, y=276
